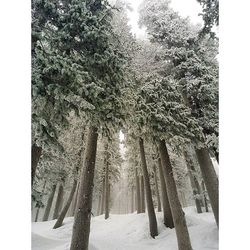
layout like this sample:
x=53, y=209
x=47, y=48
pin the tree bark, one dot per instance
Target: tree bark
x=66, y=207
x=103, y=196
x=142, y=196
x=167, y=214
x=132, y=200
x=210, y=180
x=35, y=156
x=81, y=227
x=182, y=234
x=150, y=205
x=37, y=214
x=59, y=201
x=193, y=181
x=99, y=204
x=107, y=188
x=157, y=190
x=38, y=209
x=73, y=209
x=205, y=197
x=138, y=193
x=49, y=203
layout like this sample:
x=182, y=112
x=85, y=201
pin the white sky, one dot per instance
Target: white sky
x=185, y=8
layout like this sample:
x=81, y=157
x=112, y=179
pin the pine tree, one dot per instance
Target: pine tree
x=192, y=64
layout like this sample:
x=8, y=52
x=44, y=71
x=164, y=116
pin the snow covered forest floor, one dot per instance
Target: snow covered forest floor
x=128, y=232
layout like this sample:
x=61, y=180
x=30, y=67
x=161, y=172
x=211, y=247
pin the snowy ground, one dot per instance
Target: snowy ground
x=128, y=232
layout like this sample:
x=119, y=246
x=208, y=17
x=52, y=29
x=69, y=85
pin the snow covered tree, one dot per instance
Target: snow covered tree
x=193, y=65
x=210, y=15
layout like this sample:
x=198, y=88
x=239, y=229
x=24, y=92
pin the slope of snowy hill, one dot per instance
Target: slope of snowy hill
x=128, y=232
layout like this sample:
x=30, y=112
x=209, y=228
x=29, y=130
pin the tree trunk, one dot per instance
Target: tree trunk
x=49, y=203
x=81, y=227
x=99, y=204
x=66, y=207
x=35, y=156
x=138, y=193
x=183, y=198
x=150, y=205
x=182, y=234
x=38, y=209
x=37, y=214
x=103, y=196
x=59, y=201
x=157, y=190
x=193, y=181
x=132, y=200
x=73, y=209
x=107, y=188
x=210, y=180
x=167, y=214
x=142, y=196
x=205, y=197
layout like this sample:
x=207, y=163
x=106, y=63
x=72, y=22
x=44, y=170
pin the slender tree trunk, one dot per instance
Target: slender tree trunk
x=142, y=196
x=138, y=192
x=66, y=207
x=132, y=200
x=59, y=201
x=182, y=234
x=103, y=196
x=107, y=190
x=35, y=156
x=210, y=179
x=205, y=197
x=183, y=198
x=167, y=214
x=99, y=204
x=73, y=209
x=196, y=192
x=81, y=227
x=37, y=214
x=157, y=190
x=38, y=209
x=49, y=203
x=150, y=205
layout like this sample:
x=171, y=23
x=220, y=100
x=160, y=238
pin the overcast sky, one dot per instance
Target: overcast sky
x=185, y=8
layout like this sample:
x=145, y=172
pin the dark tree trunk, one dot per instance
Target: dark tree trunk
x=59, y=201
x=150, y=205
x=196, y=192
x=35, y=156
x=66, y=207
x=37, y=214
x=73, y=209
x=132, y=200
x=107, y=189
x=49, y=203
x=210, y=179
x=38, y=209
x=81, y=227
x=138, y=192
x=167, y=214
x=103, y=196
x=157, y=190
x=181, y=229
x=142, y=196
